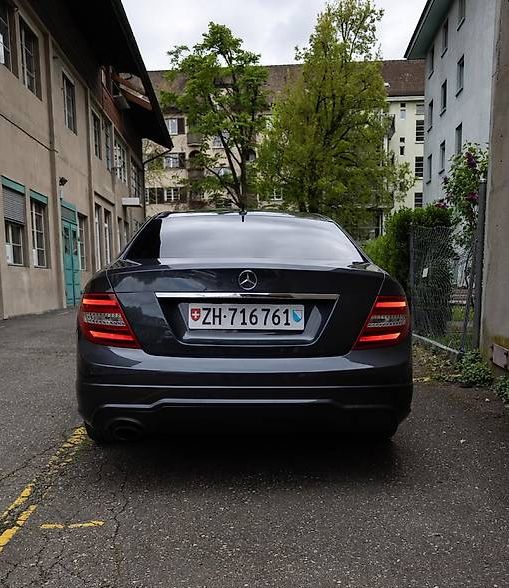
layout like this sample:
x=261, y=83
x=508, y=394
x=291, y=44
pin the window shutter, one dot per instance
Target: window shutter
x=181, y=125
x=14, y=206
x=182, y=160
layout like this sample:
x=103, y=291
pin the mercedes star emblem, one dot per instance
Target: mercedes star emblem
x=248, y=280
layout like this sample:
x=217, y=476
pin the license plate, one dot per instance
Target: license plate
x=247, y=317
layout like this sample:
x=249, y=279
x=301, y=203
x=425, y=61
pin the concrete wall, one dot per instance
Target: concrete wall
x=496, y=277
x=474, y=40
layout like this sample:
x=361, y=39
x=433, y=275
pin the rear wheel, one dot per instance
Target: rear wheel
x=100, y=437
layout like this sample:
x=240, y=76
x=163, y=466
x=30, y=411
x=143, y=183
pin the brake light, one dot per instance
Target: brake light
x=102, y=320
x=388, y=323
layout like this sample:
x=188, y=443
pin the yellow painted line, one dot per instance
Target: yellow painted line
x=12, y=520
x=84, y=525
x=21, y=499
x=8, y=534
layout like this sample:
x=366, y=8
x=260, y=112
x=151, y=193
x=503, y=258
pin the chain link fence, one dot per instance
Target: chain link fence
x=441, y=287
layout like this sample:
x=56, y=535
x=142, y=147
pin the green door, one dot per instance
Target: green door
x=71, y=257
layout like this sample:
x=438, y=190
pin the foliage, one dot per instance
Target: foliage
x=324, y=150
x=223, y=98
x=474, y=371
x=396, y=255
x=462, y=189
x=376, y=250
x=153, y=156
x=501, y=388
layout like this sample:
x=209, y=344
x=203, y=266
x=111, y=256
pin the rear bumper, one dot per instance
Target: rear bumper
x=362, y=390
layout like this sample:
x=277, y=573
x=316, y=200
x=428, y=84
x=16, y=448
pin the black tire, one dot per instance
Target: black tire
x=98, y=436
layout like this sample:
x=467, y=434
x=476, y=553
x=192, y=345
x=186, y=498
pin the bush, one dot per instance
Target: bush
x=501, y=388
x=376, y=250
x=474, y=371
x=392, y=251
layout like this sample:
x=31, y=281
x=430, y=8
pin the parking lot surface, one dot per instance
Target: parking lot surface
x=430, y=509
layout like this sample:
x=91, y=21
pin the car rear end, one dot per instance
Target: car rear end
x=225, y=318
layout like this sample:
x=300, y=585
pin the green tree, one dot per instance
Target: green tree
x=325, y=150
x=224, y=101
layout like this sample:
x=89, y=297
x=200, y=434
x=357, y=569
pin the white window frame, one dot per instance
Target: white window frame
x=38, y=211
x=419, y=131
x=442, y=156
x=69, y=109
x=97, y=237
x=120, y=160
x=108, y=143
x=82, y=241
x=460, y=75
x=458, y=137
x=173, y=125
x=174, y=159
x=10, y=243
x=97, y=138
x=429, y=168
x=6, y=43
x=108, y=251
x=28, y=77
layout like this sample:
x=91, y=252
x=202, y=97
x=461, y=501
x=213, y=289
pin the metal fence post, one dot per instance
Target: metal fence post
x=479, y=264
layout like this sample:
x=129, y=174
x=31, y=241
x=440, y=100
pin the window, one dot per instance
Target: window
x=14, y=243
x=461, y=12
x=402, y=110
x=402, y=150
x=29, y=58
x=97, y=236
x=419, y=167
x=431, y=60
x=445, y=37
x=277, y=195
x=69, y=103
x=97, y=135
x=121, y=240
x=460, y=75
x=442, y=156
x=419, y=131
x=6, y=36
x=155, y=196
x=173, y=194
x=38, y=214
x=418, y=200
x=443, y=99
x=196, y=237
x=419, y=109
x=402, y=139
x=136, y=180
x=120, y=161
x=82, y=241
x=107, y=144
x=15, y=221
x=429, y=168
x=459, y=138
x=430, y=114
x=107, y=237
x=175, y=160
x=176, y=126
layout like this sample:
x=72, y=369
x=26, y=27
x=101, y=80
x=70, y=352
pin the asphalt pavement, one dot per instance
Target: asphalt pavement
x=430, y=509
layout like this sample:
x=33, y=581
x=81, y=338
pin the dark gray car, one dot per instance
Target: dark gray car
x=227, y=318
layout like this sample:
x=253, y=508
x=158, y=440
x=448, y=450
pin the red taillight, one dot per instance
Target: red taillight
x=388, y=323
x=102, y=321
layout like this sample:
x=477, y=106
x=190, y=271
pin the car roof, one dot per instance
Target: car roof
x=252, y=214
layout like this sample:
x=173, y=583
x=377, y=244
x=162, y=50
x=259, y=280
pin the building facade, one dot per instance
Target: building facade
x=405, y=95
x=495, y=307
x=71, y=128
x=456, y=37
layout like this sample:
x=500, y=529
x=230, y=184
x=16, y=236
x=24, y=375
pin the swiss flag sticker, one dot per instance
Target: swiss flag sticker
x=195, y=314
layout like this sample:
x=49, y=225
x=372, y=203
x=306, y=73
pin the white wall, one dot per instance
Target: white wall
x=475, y=40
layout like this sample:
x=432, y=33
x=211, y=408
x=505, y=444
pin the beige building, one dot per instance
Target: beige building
x=405, y=95
x=75, y=103
x=495, y=307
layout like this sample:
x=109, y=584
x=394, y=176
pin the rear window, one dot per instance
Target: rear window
x=225, y=237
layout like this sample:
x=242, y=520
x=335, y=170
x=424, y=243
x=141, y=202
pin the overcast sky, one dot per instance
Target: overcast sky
x=270, y=27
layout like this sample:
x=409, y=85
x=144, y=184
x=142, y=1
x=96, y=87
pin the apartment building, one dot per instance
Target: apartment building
x=75, y=103
x=456, y=37
x=405, y=95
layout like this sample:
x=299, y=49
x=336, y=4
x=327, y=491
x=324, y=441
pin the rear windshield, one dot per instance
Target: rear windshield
x=225, y=237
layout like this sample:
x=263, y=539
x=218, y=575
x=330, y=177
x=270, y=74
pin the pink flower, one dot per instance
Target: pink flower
x=471, y=160
x=472, y=197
